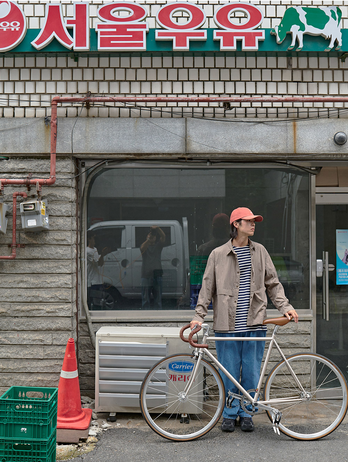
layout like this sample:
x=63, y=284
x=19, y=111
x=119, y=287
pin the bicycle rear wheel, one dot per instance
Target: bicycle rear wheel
x=317, y=408
x=171, y=412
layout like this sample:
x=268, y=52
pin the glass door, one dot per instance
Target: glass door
x=332, y=278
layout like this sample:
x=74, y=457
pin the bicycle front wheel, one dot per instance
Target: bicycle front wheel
x=174, y=407
x=314, y=403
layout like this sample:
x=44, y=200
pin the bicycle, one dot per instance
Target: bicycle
x=182, y=397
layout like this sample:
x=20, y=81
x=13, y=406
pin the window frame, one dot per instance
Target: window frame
x=180, y=316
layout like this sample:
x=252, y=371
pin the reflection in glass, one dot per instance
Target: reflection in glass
x=191, y=207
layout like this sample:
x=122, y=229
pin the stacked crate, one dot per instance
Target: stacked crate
x=197, y=268
x=28, y=424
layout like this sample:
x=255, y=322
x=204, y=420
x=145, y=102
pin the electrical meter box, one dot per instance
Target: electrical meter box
x=3, y=219
x=34, y=215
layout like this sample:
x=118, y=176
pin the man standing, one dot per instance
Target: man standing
x=94, y=263
x=151, y=271
x=237, y=276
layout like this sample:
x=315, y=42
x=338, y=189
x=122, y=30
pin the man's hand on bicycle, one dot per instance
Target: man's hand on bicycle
x=292, y=314
x=193, y=324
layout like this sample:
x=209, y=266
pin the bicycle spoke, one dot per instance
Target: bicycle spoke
x=177, y=408
x=321, y=401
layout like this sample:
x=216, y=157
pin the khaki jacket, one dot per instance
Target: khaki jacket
x=221, y=285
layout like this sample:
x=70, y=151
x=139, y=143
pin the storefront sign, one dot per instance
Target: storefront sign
x=342, y=256
x=123, y=27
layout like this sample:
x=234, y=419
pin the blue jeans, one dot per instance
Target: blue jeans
x=151, y=285
x=243, y=361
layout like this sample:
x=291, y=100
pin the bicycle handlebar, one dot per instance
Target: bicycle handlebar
x=189, y=340
x=281, y=321
x=182, y=330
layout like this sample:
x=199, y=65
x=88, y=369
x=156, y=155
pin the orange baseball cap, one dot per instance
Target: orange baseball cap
x=244, y=212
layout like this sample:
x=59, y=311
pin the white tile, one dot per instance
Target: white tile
x=82, y=87
x=157, y=61
x=61, y=61
x=235, y=74
x=245, y=74
x=162, y=74
x=198, y=87
x=8, y=112
x=9, y=87
x=46, y=74
x=34, y=23
x=61, y=88
x=104, y=61
x=151, y=74
x=272, y=62
x=19, y=62
x=124, y=87
x=167, y=87
x=225, y=74
x=156, y=87
x=88, y=74
x=327, y=77
x=240, y=88
x=135, y=87
x=188, y=87
x=30, y=112
x=177, y=87
x=312, y=88
x=114, y=87
x=333, y=89
x=72, y=87
x=204, y=74
x=109, y=74
x=214, y=74
x=261, y=88
x=40, y=61
x=272, y=88
x=14, y=74
x=114, y=61
x=317, y=75
x=98, y=74
x=19, y=87
x=8, y=62
x=219, y=88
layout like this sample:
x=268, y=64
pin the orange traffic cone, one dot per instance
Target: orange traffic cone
x=70, y=413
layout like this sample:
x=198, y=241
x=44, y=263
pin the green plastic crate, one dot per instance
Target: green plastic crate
x=28, y=412
x=197, y=268
x=28, y=450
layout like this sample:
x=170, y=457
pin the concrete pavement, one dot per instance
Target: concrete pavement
x=131, y=440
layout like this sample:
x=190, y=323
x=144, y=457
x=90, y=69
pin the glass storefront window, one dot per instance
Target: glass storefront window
x=151, y=229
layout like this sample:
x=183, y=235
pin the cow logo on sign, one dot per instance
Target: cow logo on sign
x=298, y=20
x=12, y=25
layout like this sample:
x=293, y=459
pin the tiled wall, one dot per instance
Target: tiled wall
x=28, y=83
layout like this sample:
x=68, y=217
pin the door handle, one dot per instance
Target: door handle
x=326, y=269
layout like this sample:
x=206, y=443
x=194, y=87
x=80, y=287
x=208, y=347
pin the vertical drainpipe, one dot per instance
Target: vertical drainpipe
x=14, y=244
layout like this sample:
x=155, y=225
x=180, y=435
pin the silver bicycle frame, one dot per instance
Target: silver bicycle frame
x=254, y=401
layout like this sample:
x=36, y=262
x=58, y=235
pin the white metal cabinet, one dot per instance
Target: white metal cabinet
x=123, y=357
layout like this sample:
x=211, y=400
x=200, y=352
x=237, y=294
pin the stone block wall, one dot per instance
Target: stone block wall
x=38, y=288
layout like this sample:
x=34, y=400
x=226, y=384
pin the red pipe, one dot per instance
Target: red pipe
x=14, y=244
x=157, y=99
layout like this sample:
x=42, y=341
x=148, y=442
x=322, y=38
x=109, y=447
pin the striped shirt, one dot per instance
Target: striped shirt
x=243, y=304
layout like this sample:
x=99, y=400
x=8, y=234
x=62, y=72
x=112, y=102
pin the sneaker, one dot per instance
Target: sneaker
x=246, y=424
x=228, y=425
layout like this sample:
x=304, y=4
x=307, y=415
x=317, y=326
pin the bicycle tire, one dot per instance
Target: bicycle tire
x=173, y=416
x=318, y=411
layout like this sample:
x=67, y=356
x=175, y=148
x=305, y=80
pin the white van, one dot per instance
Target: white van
x=121, y=271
